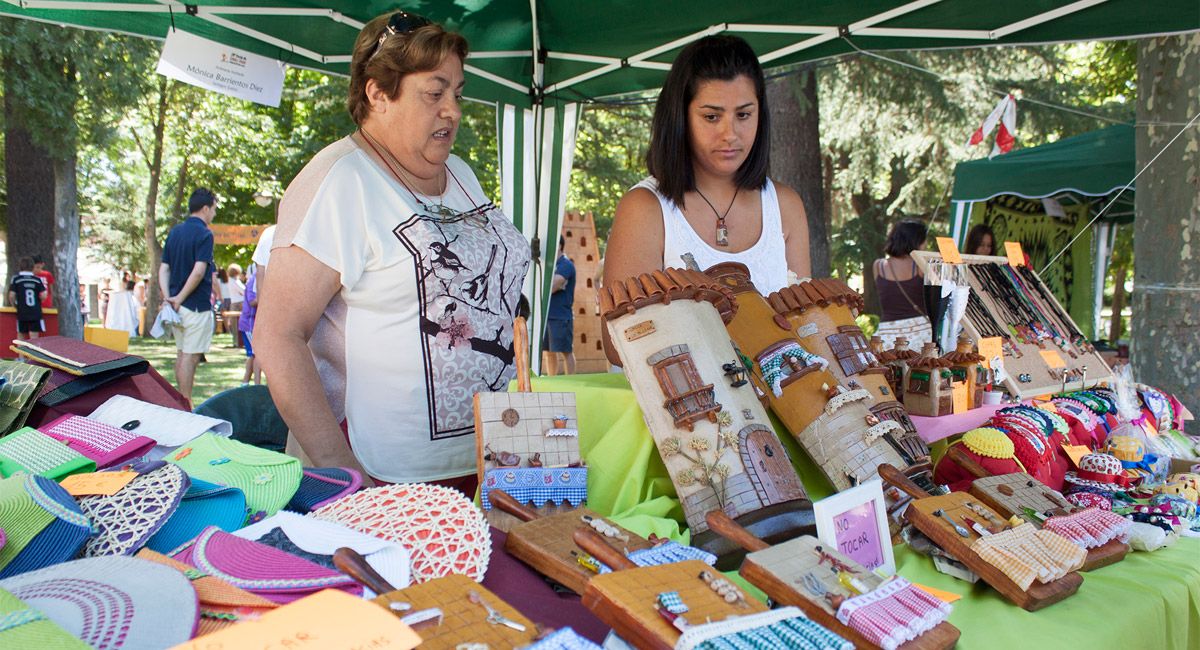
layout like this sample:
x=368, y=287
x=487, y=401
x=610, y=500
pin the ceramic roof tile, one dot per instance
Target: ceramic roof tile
x=630, y=294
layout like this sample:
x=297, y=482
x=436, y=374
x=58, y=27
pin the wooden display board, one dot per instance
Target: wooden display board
x=780, y=572
x=462, y=620
x=544, y=542
x=1042, y=381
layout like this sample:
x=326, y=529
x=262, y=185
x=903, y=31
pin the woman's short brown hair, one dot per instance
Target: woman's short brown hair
x=421, y=50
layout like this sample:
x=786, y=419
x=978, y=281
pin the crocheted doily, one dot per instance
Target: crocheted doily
x=441, y=528
x=125, y=520
x=842, y=399
x=989, y=442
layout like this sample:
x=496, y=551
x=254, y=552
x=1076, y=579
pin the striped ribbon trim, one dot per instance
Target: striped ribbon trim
x=17, y=619
x=51, y=505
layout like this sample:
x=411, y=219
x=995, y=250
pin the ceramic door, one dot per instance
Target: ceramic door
x=768, y=465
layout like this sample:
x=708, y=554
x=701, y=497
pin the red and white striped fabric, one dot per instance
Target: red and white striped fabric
x=1004, y=115
x=893, y=614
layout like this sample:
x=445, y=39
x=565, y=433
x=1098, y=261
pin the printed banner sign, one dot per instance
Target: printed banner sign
x=221, y=68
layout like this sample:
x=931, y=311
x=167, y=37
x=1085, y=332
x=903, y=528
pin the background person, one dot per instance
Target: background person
x=981, y=240
x=708, y=193
x=393, y=280
x=47, y=278
x=245, y=327
x=560, y=317
x=26, y=292
x=901, y=287
x=186, y=278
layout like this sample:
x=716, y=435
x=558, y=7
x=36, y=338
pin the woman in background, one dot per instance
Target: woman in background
x=981, y=241
x=901, y=287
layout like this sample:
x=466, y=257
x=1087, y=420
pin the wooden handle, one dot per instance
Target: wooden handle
x=521, y=349
x=596, y=546
x=956, y=454
x=733, y=531
x=349, y=562
x=897, y=478
x=504, y=501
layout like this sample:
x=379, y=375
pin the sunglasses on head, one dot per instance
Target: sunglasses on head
x=400, y=22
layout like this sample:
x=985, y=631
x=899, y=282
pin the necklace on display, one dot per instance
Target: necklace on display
x=722, y=231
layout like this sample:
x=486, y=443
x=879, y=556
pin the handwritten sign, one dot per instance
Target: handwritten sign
x=96, y=483
x=1076, y=453
x=949, y=250
x=329, y=620
x=1016, y=256
x=1052, y=358
x=991, y=349
x=858, y=535
x=962, y=402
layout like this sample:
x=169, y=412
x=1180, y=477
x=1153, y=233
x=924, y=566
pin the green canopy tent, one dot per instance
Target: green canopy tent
x=538, y=60
x=1081, y=174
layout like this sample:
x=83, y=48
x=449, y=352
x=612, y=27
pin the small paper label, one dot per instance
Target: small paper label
x=330, y=619
x=944, y=596
x=635, y=332
x=1076, y=453
x=96, y=483
x=990, y=349
x=806, y=330
x=949, y=250
x=1016, y=256
x=961, y=403
x=1052, y=358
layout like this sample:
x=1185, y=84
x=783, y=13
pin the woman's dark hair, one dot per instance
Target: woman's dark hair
x=222, y=275
x=906, y=237
x=975, y=238
x=712, y=58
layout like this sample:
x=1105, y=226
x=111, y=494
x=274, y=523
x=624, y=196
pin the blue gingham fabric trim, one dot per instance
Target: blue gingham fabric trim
x=666, y=553
x=537, y=485
x=564, y=639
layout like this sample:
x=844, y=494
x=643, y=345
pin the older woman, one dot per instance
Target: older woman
x=394, y=280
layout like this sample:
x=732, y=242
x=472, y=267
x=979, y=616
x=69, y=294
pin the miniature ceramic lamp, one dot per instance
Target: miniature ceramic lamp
x=715, y=438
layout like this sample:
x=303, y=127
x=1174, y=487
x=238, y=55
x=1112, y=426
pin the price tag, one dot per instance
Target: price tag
x=962, y=402
x=949, y=250
x=1076, y=453
x=96, y=483
x=944, y=596
x=1052, y=358
x=330, y=620
x=991, y=350
x=1016, y=256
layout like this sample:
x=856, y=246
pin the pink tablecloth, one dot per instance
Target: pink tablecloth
x=933, y=429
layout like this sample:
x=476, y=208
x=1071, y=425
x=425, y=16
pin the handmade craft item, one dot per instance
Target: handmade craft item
x=1102, y=472
x=316, y=540
x=20, y=385
x=712, y=432
x=627, y=599
x=897, y=360
x=465, y=619
x=43, y=525
x=927, y=389
x=169, y=428
x=30, y=450
x=785, y=627
x=985, y=447
x=835, y=401
x=276, y=575
x=965, y=367
x=1010, y=563
x=77, y=367
x=26, y=627
x=821, y=314
x=106, y=445
x=203, y=504
x=221, y=604
x=442, y=530
x=268, y=478
x=544, y=541
x=125, y=521
x=111, y=602
x=1013, y=304
x=819, y=580
x=320, y=486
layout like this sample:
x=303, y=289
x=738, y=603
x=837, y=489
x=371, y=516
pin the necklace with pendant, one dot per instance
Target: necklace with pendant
x=722, y=230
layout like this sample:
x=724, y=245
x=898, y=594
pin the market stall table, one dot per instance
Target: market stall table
x=1151, y=600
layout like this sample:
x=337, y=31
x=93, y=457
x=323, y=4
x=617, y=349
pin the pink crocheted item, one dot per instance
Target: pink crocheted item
x=1090, y=528
x=443, y=531
x=103, y=443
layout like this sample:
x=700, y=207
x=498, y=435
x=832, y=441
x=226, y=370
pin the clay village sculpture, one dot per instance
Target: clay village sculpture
x=715, y=438
x=897, y=360
x=965, y=366
x=927, y=384
x=831, y=416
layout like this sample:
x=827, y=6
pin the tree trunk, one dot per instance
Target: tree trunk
x=796, y=156
x=1116, y=328
x=1165, y=332
x=29, y=172
x=66, y=249
x=154, y=164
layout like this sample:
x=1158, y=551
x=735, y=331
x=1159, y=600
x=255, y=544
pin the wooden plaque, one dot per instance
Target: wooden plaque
x=1039, y=595
x=627, y=600
x=462, y=620
x=545, y=544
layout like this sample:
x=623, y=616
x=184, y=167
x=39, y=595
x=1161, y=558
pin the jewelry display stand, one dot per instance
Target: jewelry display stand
x=781, y=571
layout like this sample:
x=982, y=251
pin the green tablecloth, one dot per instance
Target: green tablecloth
x=1150, y=600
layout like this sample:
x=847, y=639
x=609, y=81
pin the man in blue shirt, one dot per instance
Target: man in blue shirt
x=560, y=320
x=186, y=279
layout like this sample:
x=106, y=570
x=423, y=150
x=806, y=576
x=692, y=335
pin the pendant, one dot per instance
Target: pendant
x=722, y=234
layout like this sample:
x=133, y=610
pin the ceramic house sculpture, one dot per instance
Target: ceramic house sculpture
x=715, y=438
x=527, y=444
x=821, y=313
x=897, y=360
x=927, y=384
x=966, y=366
x=832, y=419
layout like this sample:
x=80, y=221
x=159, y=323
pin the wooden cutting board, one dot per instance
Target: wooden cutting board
x=462, y=620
